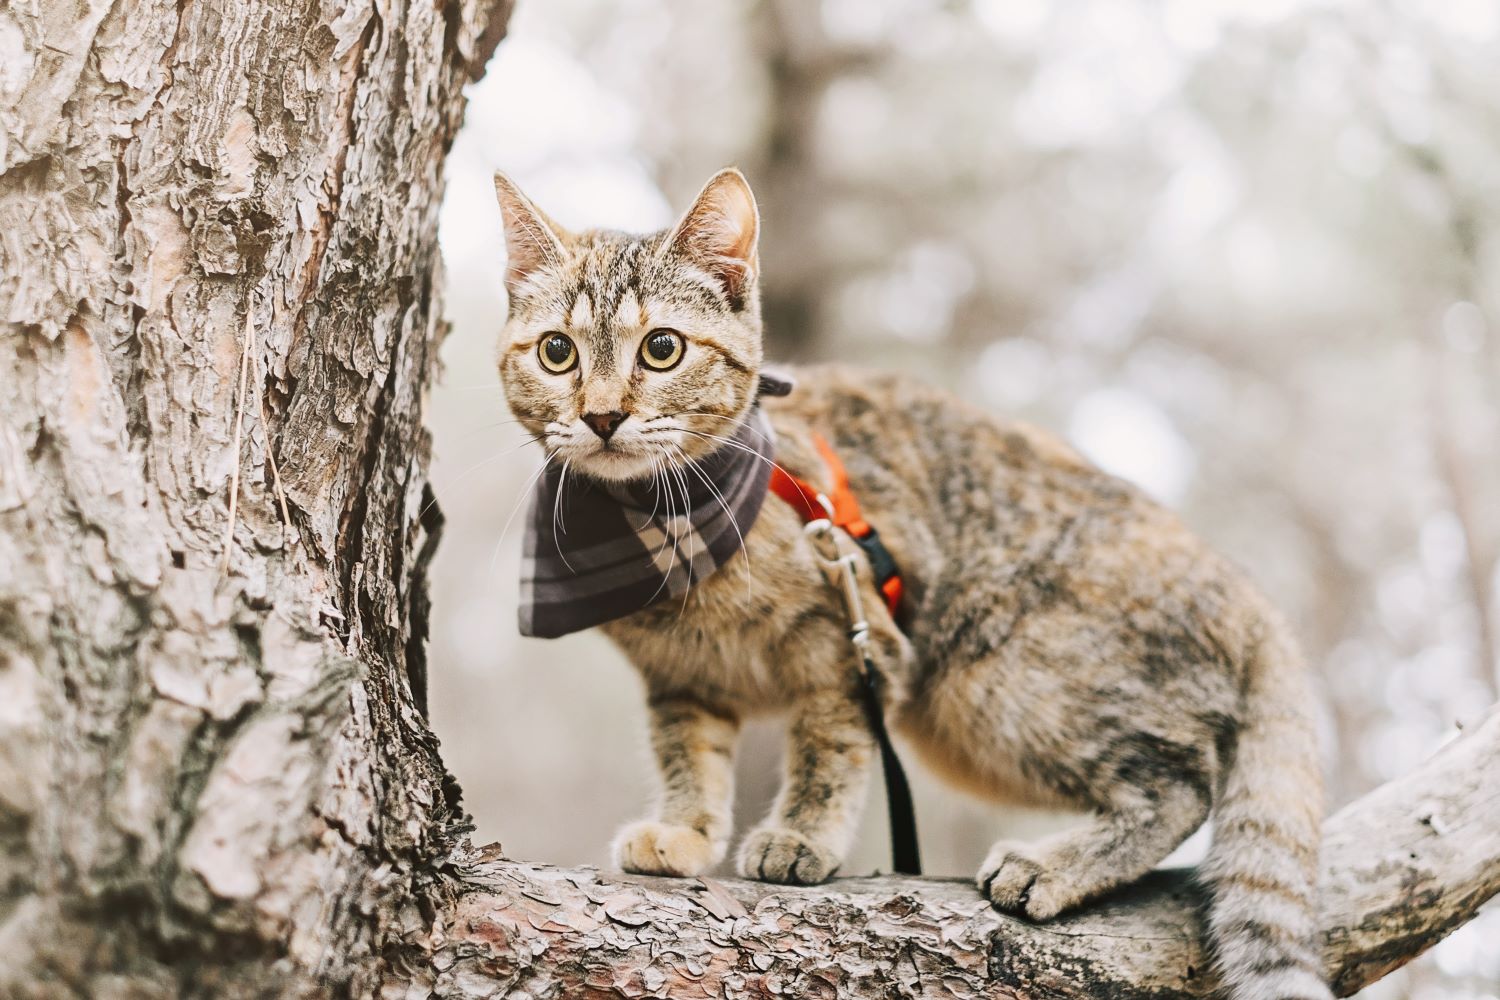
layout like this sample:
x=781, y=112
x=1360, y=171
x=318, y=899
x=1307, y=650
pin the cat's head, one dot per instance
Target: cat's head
x=622, y=352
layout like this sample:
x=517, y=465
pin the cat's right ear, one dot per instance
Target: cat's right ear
x=533, y=242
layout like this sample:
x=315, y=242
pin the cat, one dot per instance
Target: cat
x=1067, y=641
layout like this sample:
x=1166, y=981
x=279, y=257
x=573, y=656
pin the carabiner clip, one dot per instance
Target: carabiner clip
x=820, y=530
x=840, y=563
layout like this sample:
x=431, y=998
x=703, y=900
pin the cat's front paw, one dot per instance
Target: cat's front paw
x=785, y=856
x=1021, y=882
x=651, y=848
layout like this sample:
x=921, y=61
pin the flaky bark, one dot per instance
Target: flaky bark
x=219, y=296
x=1402, y=867
x=218, y=248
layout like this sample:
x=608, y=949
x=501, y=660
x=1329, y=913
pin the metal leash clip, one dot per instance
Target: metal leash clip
x=839, y=566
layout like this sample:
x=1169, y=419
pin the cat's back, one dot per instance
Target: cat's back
x=925, y=454
x=996, y=522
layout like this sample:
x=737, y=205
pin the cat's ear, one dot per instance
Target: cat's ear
x=533, y=242
x=719, y=234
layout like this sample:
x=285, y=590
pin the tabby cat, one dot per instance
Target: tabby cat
x=1066, y=643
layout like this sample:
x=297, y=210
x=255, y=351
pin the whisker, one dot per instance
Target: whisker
x=671, y=522
x=664, y=491
x=719, y=496
x=525, y=492
x=724, y=416
x=562, y=483
x=731, y=442
x=687, y=504
x=655, y=492
x=486, y=427
x=530, y=439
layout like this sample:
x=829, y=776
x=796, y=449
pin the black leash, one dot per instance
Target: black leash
x=906, y=856
x=841, y=574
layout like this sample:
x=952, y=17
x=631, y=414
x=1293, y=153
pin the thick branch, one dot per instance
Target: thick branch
x=1402, y=867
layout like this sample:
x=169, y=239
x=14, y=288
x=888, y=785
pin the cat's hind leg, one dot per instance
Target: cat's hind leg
x=1118, y=846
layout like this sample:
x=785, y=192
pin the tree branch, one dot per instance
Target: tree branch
x=1402, y=867
x=496, y=25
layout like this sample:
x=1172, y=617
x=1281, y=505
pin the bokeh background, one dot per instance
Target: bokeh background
x=1242, y=252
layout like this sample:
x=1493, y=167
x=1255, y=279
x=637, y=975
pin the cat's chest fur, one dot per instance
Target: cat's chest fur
x=762, y=631
x=767, y=627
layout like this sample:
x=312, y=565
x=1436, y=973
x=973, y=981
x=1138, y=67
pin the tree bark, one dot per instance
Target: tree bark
x=1402, y=868
x=219, y=290
x=220, y=295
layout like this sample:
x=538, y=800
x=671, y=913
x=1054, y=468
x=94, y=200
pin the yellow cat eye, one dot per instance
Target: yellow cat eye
x=557, y=353
x=662, y=349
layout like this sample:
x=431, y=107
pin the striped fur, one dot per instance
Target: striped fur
x=1261, y=872
x=1069, y=643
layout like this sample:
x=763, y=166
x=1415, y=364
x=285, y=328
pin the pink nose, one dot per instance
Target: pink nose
x=604, y=424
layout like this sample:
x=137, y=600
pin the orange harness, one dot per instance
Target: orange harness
x=843, y=510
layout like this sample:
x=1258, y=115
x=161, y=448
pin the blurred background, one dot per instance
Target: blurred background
x=1242, y=253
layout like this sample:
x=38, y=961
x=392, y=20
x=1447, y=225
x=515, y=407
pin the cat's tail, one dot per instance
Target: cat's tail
x=1262, y=871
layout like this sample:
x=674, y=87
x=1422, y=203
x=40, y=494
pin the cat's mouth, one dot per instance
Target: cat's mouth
x=637, y=448
x=630, y=453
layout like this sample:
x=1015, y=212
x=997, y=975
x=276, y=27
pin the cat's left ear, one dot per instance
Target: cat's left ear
x=720, y=234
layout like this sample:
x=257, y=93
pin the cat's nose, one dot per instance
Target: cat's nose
x=604, y=424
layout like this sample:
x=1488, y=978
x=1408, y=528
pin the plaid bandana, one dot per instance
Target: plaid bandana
x=597, y=551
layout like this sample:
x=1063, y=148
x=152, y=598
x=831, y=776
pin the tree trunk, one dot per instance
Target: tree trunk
x=220, y=294
x=221, y=302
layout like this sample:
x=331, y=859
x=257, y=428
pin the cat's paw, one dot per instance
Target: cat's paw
x=772, y=854
x=651, y=848
x=1020, y=881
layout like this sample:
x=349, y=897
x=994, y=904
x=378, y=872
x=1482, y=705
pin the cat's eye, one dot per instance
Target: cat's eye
x=661, y=349
x=557, y=353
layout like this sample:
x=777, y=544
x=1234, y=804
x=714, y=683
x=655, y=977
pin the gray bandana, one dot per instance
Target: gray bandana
x=600, y=551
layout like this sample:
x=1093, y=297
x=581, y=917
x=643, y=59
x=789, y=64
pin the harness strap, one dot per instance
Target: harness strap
x=841, y=508
x=804, y=498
